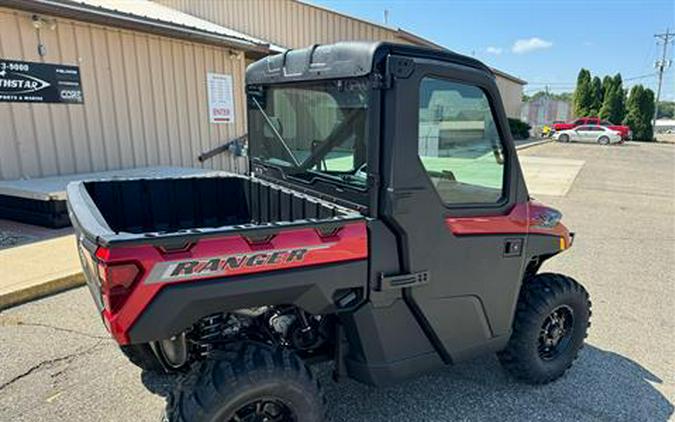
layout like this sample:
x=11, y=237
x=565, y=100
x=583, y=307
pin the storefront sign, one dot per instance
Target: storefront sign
x=29, y=82
x=221, y=100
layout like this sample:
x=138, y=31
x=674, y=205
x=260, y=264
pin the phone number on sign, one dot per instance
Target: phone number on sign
x=14, y=67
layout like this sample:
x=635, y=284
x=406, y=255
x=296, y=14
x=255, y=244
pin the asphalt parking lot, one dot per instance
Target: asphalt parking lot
x=58, y=363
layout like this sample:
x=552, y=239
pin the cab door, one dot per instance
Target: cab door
x=451, y=189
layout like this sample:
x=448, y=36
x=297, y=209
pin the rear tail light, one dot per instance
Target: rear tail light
x=117, y=280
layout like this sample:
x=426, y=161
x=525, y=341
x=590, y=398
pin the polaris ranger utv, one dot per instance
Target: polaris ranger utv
x=385, y=226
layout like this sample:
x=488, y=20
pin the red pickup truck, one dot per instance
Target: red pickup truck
x=624, y=130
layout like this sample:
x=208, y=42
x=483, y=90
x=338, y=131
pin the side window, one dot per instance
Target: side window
x=459, y=145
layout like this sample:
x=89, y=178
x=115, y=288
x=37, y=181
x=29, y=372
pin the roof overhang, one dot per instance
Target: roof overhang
x=508, y=76
x=108, y=17
x=416, y=39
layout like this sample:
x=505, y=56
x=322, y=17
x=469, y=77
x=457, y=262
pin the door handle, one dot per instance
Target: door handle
x=513, y=247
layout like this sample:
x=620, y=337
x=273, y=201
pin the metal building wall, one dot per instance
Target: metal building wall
x=512, y=96
x=294, y=24
x=144, y=101
x=287, y=23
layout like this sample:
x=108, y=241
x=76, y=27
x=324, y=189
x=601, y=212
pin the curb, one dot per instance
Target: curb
x=533, y=144
x=37, y=291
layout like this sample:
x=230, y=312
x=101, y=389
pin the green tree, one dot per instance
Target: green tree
x=620, y=107
x=612, y=104
x=583, y=99
x=608, y=102
x=607, y=84
x=564, y=96
x=596, y=96
x=640, y=110
x=666, y=110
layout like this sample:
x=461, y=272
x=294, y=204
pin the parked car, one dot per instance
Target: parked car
x=596, y=133
x=624, y=130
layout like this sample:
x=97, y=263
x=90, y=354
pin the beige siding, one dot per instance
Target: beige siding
x=144, y=101
x=512, y=96
x=283, y=22
x=294, y=24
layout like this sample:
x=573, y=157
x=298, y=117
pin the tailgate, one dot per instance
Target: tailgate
x=174, y=288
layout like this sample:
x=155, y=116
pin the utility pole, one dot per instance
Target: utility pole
x=661, y=66
x=547, y=106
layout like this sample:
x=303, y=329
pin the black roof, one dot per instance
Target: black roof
x=341, y=60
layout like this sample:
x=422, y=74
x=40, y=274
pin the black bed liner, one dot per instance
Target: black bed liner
x=167, y=210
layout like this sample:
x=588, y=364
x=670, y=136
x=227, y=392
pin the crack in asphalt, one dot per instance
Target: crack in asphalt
x=66, y=330
x=49, y=362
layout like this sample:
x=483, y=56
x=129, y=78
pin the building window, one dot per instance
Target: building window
x=459, y=144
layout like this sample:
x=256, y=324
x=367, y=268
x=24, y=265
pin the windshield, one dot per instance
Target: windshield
x=311, y=130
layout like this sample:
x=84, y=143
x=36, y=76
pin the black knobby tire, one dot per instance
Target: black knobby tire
x=532, y=354
x=239, y=378
x=142, y=356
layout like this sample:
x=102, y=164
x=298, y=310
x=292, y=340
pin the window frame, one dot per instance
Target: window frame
x=505, y=197
x=318, y=177
x=362, y=198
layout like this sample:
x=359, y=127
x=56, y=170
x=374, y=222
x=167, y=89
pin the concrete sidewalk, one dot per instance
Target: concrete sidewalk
x=38, y=269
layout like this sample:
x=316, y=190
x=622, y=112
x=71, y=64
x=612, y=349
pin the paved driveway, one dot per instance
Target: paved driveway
x=58, y=364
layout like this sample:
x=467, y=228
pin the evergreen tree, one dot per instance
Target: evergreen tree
x=620, y=107
x=607, y=84
x=613, y=106
x=583, y=99
x=609, y=102
x=640, y=110
x=647, y=106
x=596, y=96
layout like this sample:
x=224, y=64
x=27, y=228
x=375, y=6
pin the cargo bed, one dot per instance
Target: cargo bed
x=160, y=210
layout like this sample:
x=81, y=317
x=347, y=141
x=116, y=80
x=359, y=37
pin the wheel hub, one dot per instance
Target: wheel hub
x=556, y=332
x=264, y=410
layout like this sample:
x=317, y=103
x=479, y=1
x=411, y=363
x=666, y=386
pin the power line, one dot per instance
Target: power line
x=662, y=65
x=572, y=84
x=648, y=75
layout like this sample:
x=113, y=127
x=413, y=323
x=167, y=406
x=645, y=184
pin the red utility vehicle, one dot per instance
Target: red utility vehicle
x=582, y=121
x=371, y=232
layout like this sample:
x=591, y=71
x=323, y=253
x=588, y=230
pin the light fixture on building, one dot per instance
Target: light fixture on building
x=40, y=23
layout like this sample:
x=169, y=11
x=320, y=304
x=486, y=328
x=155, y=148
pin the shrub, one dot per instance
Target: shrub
x=519, y=129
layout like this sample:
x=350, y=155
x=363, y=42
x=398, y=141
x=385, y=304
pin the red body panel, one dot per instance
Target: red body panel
x=562, y=126
x=523, y=219
x=350, y=243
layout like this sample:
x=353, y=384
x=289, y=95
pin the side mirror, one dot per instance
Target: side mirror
x=238, y=148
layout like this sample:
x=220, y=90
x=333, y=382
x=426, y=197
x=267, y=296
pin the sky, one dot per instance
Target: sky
x=545, y=42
